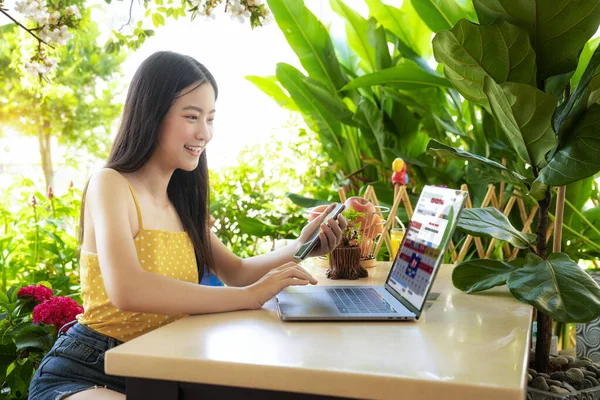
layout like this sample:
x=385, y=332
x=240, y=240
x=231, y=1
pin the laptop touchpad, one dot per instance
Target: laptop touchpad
x=306, y=303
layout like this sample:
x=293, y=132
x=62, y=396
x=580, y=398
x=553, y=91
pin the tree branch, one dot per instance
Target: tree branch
x=26, y=29
x=129, y=20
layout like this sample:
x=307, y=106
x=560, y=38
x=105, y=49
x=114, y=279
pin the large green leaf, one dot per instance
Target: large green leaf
x=408, y=32
x=482, y=274
x=407, y=75
x=489, y=222
x=305, y=202
x=357, y=33
x=371, y=122
x=269, y=86
x=558, y=287
x=329, y=101
x=439, y=14
x=378, y=41
x=310, y=41
x=577, y=156
x=419, y=31
x=34, y=336
x=558, y=29
x=525, y=115
x=318, y=119
x=470, y=52
x=584, y=59
x=443, y=151
x=255, y=226
x=570, y=112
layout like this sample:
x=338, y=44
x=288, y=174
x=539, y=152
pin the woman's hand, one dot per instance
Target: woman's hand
x=330, y=235
x=274, y=281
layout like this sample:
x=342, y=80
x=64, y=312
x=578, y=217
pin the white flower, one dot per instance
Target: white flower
x=73, y=10
x=253, y=2
x=53, y=19
x=210, y=14
x=236, y=10
x=30, y=68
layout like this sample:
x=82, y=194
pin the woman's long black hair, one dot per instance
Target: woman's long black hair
x=157, y=83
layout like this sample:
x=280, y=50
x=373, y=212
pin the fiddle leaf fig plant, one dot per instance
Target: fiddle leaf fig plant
x=517, y=63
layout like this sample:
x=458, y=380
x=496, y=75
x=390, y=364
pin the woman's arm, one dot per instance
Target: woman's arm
x=130, y=288
x=234, y=271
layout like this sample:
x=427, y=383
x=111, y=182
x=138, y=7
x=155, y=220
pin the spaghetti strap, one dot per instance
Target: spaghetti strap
x=137, y=206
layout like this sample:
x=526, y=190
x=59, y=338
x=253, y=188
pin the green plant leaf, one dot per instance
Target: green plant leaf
x=538, y=190
x=395, y=21
x=577, y=155
x=443, y=151
x=310, y=41
x=329, y=101
x=8, y=354
x=489, y=222
x=269, y=86
x=305, y=202
x=356, y=31
x=470, y=52
x=13, y=292
x=439, y=14
x=378, y=41
x=370, y=120
x=482, y=274
x=569, y=113
x=407, y=75
x=558, y=287
x=254, y=226
x=555, y=85
x=558, y=29
x=584, y=59
x=319, y=119
x=525, y=115
x=158, y=19
x=34, y=336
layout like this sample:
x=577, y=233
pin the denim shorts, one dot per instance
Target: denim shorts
x=74, y=364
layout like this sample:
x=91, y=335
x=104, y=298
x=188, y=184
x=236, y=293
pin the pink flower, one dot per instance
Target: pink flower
x=50, y=192
x=39, y=292
x=57, y=310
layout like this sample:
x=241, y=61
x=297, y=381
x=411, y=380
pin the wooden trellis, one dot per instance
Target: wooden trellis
x=401, y=198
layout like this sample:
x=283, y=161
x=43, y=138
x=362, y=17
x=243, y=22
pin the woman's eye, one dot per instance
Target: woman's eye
x=192, y=117
x=210, y=121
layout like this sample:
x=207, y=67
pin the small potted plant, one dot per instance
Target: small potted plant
x=344, y=260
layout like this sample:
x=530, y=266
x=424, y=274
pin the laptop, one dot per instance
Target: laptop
x=413, y=271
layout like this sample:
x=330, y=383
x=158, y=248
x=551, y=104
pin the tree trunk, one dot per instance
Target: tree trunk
x=45, y=141
x=544, y=322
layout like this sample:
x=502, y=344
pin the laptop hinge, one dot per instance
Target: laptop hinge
x=402, y=300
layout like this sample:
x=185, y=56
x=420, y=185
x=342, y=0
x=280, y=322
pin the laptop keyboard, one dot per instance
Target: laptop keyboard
x=359, y=300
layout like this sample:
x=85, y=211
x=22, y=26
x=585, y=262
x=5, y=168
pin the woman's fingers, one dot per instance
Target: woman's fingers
x=299, y=273
x=330, y=237
x=295, y=282
x=342, y=222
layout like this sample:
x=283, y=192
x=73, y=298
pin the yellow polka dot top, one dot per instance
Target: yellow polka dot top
x=165, y=253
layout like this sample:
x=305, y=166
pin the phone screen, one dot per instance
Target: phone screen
x=313, y=239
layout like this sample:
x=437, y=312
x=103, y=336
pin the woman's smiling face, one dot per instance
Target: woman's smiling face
x=187, y=128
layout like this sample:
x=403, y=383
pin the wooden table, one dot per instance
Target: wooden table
x=464, y=347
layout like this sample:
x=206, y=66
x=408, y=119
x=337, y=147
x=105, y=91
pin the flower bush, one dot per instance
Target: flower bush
x=30, y=318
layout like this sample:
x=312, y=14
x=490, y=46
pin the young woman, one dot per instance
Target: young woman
x=144, y=234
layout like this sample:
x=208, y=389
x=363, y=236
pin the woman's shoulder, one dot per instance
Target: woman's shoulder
x=107, y=182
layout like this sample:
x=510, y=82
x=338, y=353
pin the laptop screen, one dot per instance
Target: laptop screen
x=425, y=242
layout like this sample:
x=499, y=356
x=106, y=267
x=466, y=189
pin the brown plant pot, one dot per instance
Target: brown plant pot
x=344, y=263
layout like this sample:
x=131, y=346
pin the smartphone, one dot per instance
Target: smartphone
x=313, y=239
